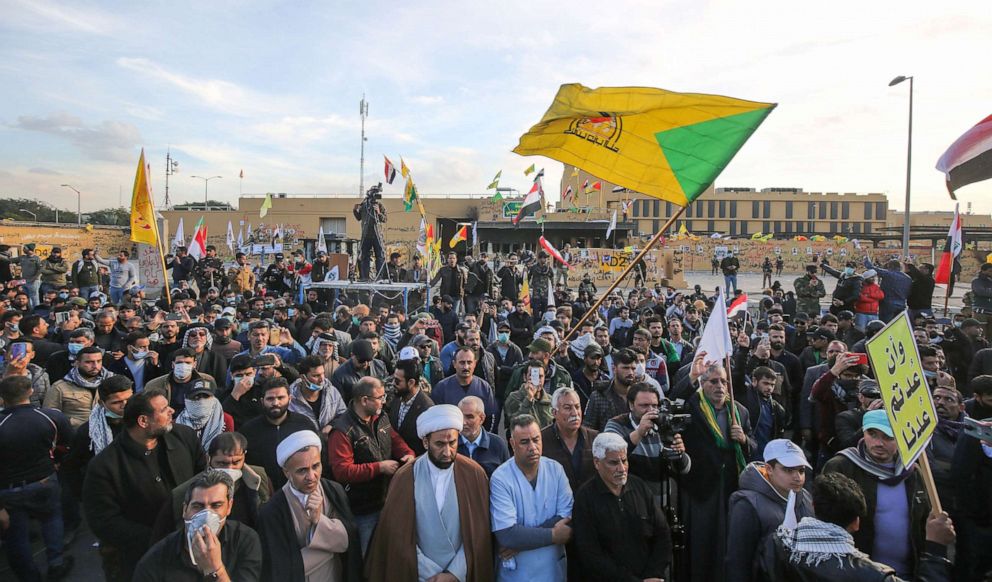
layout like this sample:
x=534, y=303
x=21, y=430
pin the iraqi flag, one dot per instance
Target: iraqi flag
x=531, y=204
x=552, y=251
x=969, y=159
x=738, y=305
x=949, y=265
x=389, y=170
x=198, y=244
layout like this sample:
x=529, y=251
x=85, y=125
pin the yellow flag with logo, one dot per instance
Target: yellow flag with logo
x=143, y=226
x=660, y=143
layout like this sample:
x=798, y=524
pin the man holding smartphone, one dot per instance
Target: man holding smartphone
x=530, y=398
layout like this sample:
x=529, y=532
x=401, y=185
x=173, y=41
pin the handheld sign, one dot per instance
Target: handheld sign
x=906, y=395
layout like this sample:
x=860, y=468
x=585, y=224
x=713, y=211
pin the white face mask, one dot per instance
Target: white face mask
x=182, y=370
x=640, y=370
x=194, y=524
x=234, y=474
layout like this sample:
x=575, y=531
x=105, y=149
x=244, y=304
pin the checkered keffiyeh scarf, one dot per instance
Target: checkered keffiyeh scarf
x=814, y=542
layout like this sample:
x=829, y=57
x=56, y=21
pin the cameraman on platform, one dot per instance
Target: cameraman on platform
x=372, y=215
x=650, y=457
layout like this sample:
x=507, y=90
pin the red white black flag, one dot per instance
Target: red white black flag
x=949, y=266
x=969, y=159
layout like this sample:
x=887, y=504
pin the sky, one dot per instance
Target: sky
x=273, y=89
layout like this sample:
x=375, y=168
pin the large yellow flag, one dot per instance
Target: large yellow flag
x=143, y=226
x=660, y=143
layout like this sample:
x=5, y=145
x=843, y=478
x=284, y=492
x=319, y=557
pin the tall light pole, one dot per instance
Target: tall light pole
x=33, y=215
x=205, y=182
x=53, y=207
x=909, y=164
x=171, y=167
x=79, y=204
x=363, y=110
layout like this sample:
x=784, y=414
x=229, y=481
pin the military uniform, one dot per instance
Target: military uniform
x=809, y=290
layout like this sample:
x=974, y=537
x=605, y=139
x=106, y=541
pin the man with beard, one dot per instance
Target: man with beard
x=53, y=271
x=168, y=337
x=184, y=377
x=123, y=276
x=325, y=345
x=809, y=291
x=104, y=425
x=531, y=505
x=610, y=399
x=940, y=452
x=364, y=452
x=435, y=522
x=565, y=440
x=719, y=442
x=259, y=335
x=274, y=276
x=483, y=276
x=75, y=394
x=464, y=383
x=106, y=335
x=265, y=432
x=591, y=374
x=210, y=271
x=241, y=275
x=410, y=402
x=362, y=363
x=198, y=338
x=224, y=344
x=510, y=278
x=314, y=396
x=920, y=298
x=892, y=528
x=133, y=476
x=307, y=529
x=620, y=533
x=452, y=279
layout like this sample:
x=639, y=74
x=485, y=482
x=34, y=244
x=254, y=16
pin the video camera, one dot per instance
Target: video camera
x=673, y=418
x=375, y=192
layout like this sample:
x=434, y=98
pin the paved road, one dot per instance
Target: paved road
x=83, y=549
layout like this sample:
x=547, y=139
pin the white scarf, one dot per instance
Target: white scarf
x=206, y=417
x=814, y=541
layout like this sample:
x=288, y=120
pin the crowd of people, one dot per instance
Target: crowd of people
x=247, y=427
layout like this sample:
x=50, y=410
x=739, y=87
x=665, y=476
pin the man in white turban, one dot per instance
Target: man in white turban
x=307, y=529
x=435, y=523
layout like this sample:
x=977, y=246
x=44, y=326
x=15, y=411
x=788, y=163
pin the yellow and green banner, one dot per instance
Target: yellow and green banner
x=660, y=143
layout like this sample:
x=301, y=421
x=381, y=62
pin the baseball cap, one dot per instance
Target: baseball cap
x=970, y=322
x=264, y=360
x=878, y=420
x=845, y=315
x=222, y=323
x=593, y=349
x=279, y=256
x=362, y=350
x=446, y=299
x=409, y=353
x=503, y=325
x=199, y=387
x=229, y=311
x=96, y=295
x=420, y=340
x=786, y=453
x=869, y=388
x=869, y=274
x=823, y=333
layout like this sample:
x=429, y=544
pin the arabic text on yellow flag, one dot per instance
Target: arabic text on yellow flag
x=660, y=143
x=905, y=393
x=144, y=229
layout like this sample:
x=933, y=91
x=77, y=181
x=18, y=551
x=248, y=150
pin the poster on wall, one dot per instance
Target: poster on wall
x=150, y=271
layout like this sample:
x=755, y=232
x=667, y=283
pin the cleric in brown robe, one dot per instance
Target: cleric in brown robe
x=308, y=532
x=435, y=523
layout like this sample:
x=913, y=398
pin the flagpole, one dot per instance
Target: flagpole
x=630, y=267
x=947, y=296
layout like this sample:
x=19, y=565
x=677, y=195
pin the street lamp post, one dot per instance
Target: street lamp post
x=205, y=182
x=909, y=164
x=33, y=215
x=79, y=204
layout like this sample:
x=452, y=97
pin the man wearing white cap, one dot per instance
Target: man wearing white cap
x=435, y=523
x=758, y=507
x=893, y=529
x=307, y=529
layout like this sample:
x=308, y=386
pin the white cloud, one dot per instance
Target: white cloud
x=108, y=140
x=42, y=15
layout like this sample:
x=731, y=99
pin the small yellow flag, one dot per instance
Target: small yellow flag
x=404, y=171
x=266, y=204
x=143, y=225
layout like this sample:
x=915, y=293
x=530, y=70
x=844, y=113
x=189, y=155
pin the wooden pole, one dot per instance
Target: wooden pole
x=928, y=482
x=654, y=240
x=947, y=296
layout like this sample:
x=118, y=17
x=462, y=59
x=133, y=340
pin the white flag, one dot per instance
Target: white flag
x=716, y=340
x=230, y=236
x=241, y=237
x=613, y=224
x=333, y=274
x=551, y=297
x=321, y=243
x=475, y=233
x=180, y=239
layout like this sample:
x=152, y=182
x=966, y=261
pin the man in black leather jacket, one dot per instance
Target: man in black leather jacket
x=822, y=548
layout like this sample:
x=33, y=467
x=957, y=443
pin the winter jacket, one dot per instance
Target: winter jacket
x=30, y=267
x=981, y=290
x=85, y=273
x=54, y=273
x=867, y=302
x=847, y=291
x=921, y=293
x=756, y=510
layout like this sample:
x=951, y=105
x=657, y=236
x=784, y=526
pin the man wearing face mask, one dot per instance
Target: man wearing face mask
x=252, y=489
x=314, y=396
x=364, y=451
x=140, y=363
x=210, y=546
x=134, y=475
x=308, y=531
x=183, y=379
x=104, y=425
x=59, y=363
x=204, y=413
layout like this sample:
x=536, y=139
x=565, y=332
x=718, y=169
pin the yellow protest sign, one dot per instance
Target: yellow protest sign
x=905, y=393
